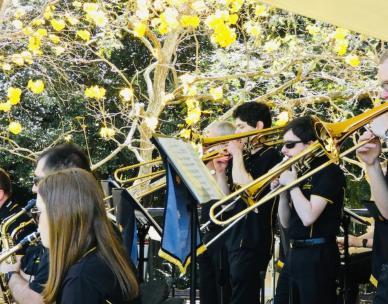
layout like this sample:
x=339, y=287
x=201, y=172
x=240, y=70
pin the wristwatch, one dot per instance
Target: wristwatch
x=364, y=242
x=8, y=275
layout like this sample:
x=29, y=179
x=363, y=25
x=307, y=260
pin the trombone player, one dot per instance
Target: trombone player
x=250, y=242
x=311, y=214
x=369, y=155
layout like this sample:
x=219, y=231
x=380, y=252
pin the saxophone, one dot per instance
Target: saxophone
x=7, y=244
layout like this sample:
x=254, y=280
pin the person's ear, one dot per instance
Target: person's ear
x=259, y=125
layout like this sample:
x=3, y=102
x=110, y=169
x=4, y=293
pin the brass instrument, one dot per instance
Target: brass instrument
x=29, y=239
x=257, y=138
x=7, y=243
x=330, y=139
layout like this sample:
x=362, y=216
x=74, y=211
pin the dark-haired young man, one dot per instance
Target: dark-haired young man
x=250, y=241
x=27, y=284
x=311, y=214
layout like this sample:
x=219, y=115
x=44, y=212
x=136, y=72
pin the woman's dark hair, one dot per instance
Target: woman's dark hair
x=63, y=157
x=303, y=128
x=252, y=112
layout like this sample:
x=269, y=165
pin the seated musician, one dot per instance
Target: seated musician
x=369, y=155
x=87, y=262
x=311, y=213
x=28, y=279
x=23, y=225
x=213, y=265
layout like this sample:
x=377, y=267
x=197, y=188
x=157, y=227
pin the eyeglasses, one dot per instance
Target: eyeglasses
x=291, y=144
x=35, y=212
x=36, y=180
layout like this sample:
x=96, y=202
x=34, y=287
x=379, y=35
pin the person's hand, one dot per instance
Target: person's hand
x=275, y=183
x=220, y=163
x=353, y=242
x=235, y=147
x=369, y=152
x=288, y=176
x=379, y=125
x=5, y=267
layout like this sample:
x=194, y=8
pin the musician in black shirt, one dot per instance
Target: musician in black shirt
x=87, y=262
x=250, y=241
x=311, y=213
x=369, y=155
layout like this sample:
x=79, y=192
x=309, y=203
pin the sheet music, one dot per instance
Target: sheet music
x=191, y=169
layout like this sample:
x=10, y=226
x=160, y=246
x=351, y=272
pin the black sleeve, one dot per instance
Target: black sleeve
x=262, y=164
x=328, y=183
x=41, y=275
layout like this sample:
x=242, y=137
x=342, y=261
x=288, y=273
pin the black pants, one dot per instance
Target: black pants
x=214, y=276
x=246, y=266
x=309, y=276
x=382, y=288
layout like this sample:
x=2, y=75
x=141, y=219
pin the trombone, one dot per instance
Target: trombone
x=257, y=138
x=330, y=139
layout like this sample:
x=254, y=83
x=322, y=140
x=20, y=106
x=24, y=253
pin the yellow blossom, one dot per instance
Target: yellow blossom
x=36, y=87
x=38, y=22
x=340, y=33
x=233, y=18
x=34, y=44
x=58, y=24
x=84, y=35
x=14, y=95
x=90, y=7
x=5, y=106
x=15, y=127
x=253, y=29
x=27, y=31
x=17, y=59
x=77, y=4
x=139, y=29
x=271, y=45
x=341, y=47
x=185, y=133
x=107, y=133
x=217, y=93
x=68, y=137
x=20, y=12
x=17, y=24
x=72, y=20
x=282, y=119
x=98, y=17
x=27, y=57
x=235, y=5
x=352, y=60
x=40, y=33
x=126, y=94
x=189, y=21
x=312, y=30
x=193, y=116
x=261, y=10
x=48, y=12
x=6, y=67
x=224, y=36
x=95, y=92
x=54, y=38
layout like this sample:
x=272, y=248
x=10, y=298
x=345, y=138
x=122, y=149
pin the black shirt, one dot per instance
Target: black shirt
x=380, y=244
x=255, y=230
x=21, y=227
x=36, y=264
x=91, y=281
x=328, y=183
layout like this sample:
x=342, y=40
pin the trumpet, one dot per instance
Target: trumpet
x=257, y=138
x=330, y=139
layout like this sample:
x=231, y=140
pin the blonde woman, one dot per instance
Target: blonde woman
x=87, y=263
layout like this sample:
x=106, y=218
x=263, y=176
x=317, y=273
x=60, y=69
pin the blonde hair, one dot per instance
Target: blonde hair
x=78, y=222
x=221, y=128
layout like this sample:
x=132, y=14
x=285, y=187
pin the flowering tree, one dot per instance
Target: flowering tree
x=131, y=68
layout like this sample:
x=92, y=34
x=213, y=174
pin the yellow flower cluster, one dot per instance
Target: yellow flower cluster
x=15, y=127
x=220, y=23
x=14, y=95
x=5, y=106
x=84, y=35
x=193, y=111
x=282, y=119
x=352, y=60
x=58, y=24
x=190, y=21
x=95, y=14
x=217, y=93
x=107, y=133
x=341, y=43
x=36, y=87
x=95, y=92
x=167, y=21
